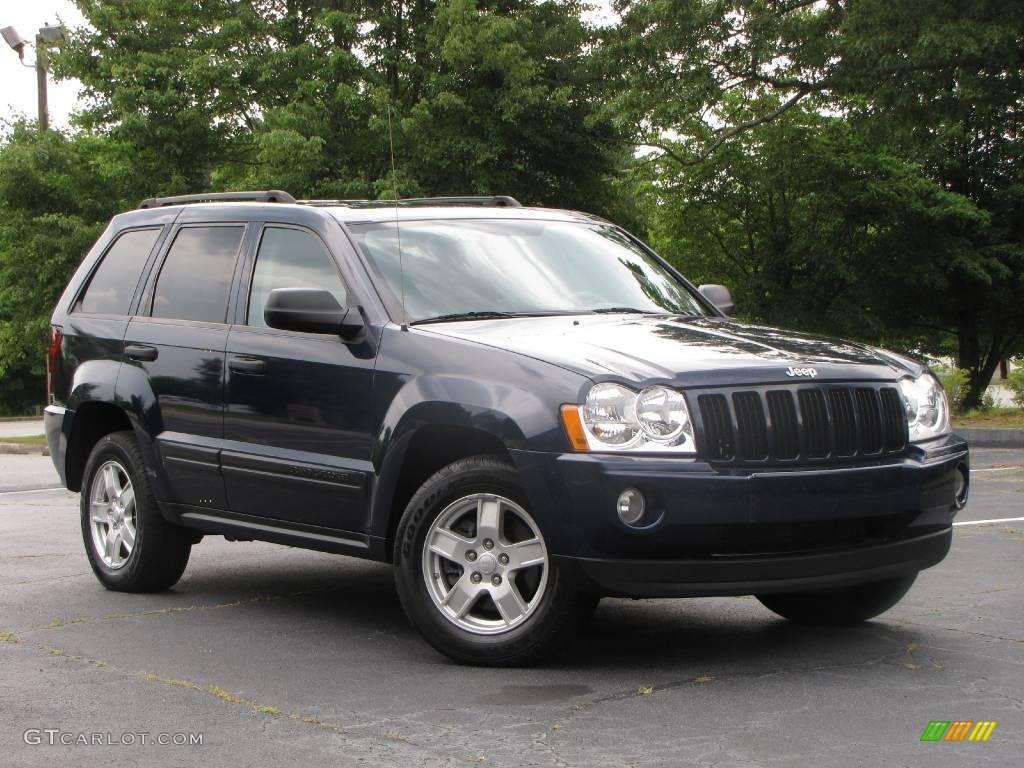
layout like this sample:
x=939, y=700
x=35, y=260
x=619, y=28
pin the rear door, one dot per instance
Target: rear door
x=298, y=421
x=176, y=345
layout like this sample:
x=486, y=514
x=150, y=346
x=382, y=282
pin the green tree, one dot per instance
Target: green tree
x=932, y=85
x=815, y=227
x=485, y=97
x=56, y=195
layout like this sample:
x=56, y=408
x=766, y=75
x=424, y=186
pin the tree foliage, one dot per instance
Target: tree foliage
x=849, y=166
x=916, y=170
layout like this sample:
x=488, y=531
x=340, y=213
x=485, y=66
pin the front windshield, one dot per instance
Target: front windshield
x=489, y=266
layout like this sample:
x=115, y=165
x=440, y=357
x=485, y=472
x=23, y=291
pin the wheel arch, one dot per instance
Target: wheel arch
x=93, y=420
x=416, y=450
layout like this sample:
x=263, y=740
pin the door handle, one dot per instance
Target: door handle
x=247, y=365
x=140, y=352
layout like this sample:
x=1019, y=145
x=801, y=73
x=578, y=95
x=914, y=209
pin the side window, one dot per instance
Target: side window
x=112, y=286
x=196, y=276
x=290, y=258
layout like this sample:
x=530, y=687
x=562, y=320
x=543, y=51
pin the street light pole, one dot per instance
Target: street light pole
x=44, y=112
x=49, y=34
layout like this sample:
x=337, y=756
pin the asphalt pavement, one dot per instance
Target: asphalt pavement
x=276, y=656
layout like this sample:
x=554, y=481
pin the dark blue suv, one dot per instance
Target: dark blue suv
x=522, y=409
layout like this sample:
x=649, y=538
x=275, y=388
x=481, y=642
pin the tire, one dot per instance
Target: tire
x=522, y=608
x=130, y=546
x=840, y=607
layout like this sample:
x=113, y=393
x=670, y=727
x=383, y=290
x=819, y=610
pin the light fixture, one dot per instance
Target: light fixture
x=52, y=33
x=14, y=39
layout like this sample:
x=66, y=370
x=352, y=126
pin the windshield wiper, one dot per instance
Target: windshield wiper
x=623, y=311
x=479, y=315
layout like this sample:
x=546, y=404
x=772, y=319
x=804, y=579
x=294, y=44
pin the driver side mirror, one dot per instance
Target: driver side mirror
x=311, y=310
x=719, y=296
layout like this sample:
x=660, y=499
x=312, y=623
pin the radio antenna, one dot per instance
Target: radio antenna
x=398, y=227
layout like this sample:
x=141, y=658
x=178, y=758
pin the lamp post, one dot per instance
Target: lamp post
x=48, y=34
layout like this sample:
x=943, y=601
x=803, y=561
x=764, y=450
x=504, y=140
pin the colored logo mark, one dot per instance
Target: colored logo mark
x=958, y=730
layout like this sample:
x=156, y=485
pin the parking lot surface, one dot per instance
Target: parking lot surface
x=278, y=656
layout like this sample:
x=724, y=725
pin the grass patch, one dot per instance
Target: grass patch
x=39, y=440
x=993, y=417
x=220, y=693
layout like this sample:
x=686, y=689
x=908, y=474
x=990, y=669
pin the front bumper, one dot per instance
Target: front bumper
x=759, y=574
x=711, y=531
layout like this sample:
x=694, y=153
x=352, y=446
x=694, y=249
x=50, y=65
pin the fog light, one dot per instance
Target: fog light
x=630, y=506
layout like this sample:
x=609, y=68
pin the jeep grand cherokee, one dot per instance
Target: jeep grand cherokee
x=522, y=409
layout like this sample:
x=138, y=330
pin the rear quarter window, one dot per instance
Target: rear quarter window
x=112, y=286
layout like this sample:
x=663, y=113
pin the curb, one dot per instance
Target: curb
x=24, y=450
x=992, y=437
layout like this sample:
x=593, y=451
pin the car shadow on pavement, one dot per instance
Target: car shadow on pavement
x=355, y=598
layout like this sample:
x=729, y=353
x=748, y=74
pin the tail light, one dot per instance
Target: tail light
x=52, y=357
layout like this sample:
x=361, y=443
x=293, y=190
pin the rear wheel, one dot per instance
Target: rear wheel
x=837, y=607
x=130, y=546
x=474, y=572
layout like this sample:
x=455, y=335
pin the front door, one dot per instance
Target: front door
x=298, y=421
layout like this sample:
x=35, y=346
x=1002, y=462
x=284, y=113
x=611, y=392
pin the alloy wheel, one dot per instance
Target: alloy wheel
x=485, y=564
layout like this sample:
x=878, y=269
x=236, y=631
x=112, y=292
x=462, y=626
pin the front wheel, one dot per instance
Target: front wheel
x=474, y=572
x=838, y=607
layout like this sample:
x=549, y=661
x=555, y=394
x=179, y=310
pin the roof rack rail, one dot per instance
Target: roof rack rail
x=494, y=201
x=266, y=196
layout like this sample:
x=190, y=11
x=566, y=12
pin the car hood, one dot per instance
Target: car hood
x=695, y=351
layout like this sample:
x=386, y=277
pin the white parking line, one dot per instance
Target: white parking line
x=989, y=522
x=34, y=490
x=998, y=469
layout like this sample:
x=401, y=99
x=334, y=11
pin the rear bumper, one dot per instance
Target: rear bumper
x=715, y=531
x=55, y=418
x=757, y=575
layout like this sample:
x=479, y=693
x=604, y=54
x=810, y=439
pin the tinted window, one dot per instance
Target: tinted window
x=196, y=276
x=289, y=258
x=520, y=266
x=113, y=284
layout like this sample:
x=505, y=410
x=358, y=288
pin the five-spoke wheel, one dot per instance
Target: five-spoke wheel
x=112, y=513
x=474, y=571
x=485, y=563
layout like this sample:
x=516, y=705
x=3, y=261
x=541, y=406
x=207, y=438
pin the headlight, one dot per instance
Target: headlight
x=926, y=405
x=609, y=415
x=615, y=418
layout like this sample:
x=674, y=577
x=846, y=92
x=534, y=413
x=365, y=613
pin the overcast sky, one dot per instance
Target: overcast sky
x=18, y=83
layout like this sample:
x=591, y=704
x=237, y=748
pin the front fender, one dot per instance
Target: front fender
x=407, y=416
x=458, y=402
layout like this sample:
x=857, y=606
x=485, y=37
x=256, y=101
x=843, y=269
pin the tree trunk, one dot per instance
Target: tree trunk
x=980, y=365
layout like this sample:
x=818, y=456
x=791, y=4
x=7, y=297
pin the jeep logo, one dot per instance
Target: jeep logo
x=811, y=372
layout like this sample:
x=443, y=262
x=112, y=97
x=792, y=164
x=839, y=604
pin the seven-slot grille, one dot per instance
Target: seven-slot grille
x=827, y=422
